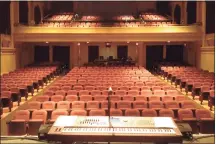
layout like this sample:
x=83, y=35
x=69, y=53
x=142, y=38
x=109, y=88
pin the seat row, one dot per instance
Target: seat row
x=200, y=83
x=57, y=98
x=23, y=123
x=68, y=105
x=117, y=92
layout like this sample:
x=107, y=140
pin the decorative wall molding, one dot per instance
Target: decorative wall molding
x=102, y=34
x=207, y=49
x=8, y=50
x=5, y=41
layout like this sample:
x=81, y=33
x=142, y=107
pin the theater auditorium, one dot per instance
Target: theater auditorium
x=107, y=72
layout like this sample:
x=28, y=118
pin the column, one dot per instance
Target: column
x=30, y=13
x=12, y=5
x=184, y=9
x=50, y=53
x=74, y=55
x=15, y=12
x=140, y=53
x=164, y=51
x=71, y=65
x=184, y=13
x=144, y=55
x=172, y=13
x=203, y=20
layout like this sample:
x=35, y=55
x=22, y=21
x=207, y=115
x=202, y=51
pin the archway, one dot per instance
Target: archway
x=210, y=17
x=23, y=12
x=5, y=27
x=177, y=14
x=191, y=12
x=37, y=15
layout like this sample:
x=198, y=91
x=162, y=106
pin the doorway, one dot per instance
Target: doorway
x=41, y=54
x=93, y=53
x=154, y=54
x=174, y=53
x=122, y=52
x=62, y=54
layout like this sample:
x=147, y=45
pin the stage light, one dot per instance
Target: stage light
x=78, y=44
x=168, y=41
x=137, y=44
x=128, y=42
x=47, y=42
x=87, y=42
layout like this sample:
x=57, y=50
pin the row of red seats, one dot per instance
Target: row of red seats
x=19, y=83
x=199, y=82
x=60, y=17
x=58, y=98
x=100, y=24
x=70, y=87
x=117, y=90
x=24, y=124
x=139, y=104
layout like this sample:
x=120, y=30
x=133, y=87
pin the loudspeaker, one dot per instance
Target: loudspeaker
x=43, y=131
x=186, y=130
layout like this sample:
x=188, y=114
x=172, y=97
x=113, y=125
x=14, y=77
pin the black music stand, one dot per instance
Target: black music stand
x=109, y=104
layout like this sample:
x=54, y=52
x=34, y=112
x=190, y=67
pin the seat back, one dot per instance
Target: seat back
x=34, y=105
x=155, y=104
x=149, y=113
x=98, y=112
x=57, y=113
x=92, y=105
x=63, y=105
x=39, y=115
x=78, y=112
x=203, y=113
x=166, y=113
x=139, y=104
x=185, y=113
x=123, y=104
x=48, y=105
x=78, y=105
x=22, y=115
x=132, y=112
x=115, y=112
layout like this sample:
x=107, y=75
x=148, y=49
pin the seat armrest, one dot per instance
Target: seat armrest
x=206, y=119
x=189, y=119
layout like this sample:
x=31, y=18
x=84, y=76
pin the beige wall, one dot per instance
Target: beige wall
x=189, y=53
x=207, y=61
x=8, y=62
x=24, y=55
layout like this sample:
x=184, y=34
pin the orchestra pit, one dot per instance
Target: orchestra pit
x=119, y=72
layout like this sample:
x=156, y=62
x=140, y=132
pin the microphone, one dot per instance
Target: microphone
x=109, y=104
